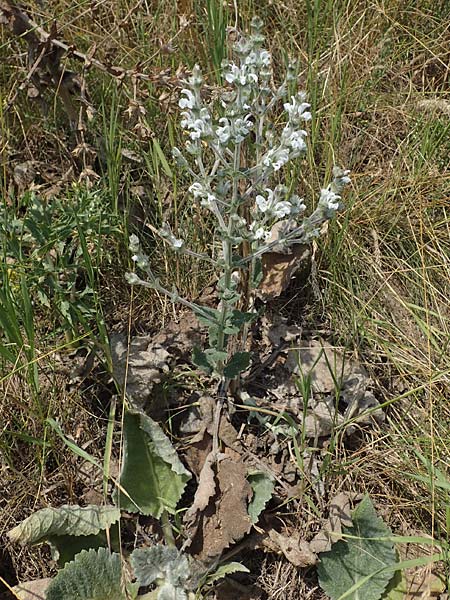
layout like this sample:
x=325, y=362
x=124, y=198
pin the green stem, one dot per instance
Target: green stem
x=167, y=529
x=227, y=249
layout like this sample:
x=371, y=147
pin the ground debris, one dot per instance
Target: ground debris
x=219, y=516
x=336, y=389
x=296, y=550
x=32, y=590
x=339, y=516
x=148, y=359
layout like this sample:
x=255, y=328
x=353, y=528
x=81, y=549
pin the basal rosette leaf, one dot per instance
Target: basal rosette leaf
x=159, y=562
x=92, y=575
x=68, y=529
x=152, y=475
x=358, y=561
x=65, y=520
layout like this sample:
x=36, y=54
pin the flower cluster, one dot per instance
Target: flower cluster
x=196, y=117
x=329, y=201
x=244, y=109
x=166, y=233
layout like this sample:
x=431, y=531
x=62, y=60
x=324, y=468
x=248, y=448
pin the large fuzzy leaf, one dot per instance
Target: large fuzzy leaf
x=65, y=520
x=68, y=529
x=159, y=562
x=92, y=575
x=152, y=474
x=357, y=562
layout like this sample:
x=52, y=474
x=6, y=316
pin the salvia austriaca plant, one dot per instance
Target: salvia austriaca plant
x=235, y=154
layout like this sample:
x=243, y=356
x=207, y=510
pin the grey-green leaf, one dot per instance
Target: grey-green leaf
x=357, y=563
x=238, y=362
x=171, y=592
x=152, y=474
x=200, y=360
x=69, y=529
x=159, y=562
x=262, y=486
x=92, y=575
x=72, y=520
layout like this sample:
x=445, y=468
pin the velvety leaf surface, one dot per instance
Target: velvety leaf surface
x=67, y=520
x=92, y=575
x=152, y=474
x=351, y=561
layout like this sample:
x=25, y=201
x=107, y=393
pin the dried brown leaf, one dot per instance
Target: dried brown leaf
x=296, y=550
x=278, y=269
x=205, y=490
x=339, y=516
x=215, y=530
x=32, y=590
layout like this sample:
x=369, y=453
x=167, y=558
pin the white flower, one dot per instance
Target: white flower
x=296, y=109
x=208, y=200
x=259, y=233
x=258, y=58
x=197, y=190
x=141, y=260
x=262, y=204
x=224, y=133
x=240, y=75
x=188, y=102
x=167, y=235
x=296, y=140
x=198, y=126
x=341, y=177
x=276, y=158
x=329, y=199
x=242, y=128
x=282, y=209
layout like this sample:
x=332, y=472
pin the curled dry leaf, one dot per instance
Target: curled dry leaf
x=279, y=268
x=214, y=530
x=205, y=490
x=339, y=516
x=32, y=590
x=147, y=364
x=329, y=373
x=296, y=550
x=151, y=357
